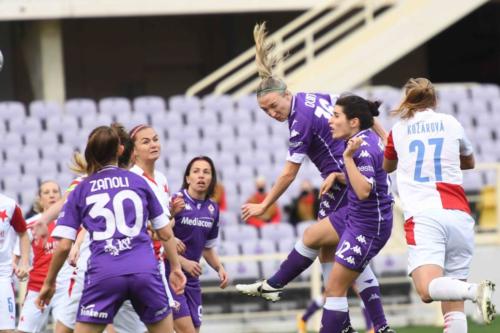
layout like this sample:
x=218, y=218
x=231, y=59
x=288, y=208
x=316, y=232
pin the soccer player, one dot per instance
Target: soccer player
x=307, y=115
x=146, y=150
x=197, y=226
x=114, y=205
x=12, y=224
x=429, y=150
x=31, y=318
x=126, y=320
x=369, y=220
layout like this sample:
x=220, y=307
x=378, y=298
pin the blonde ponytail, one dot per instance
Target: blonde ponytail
x=266, y=62
x=419, y=95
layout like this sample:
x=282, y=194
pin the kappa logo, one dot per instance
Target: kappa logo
x=364, y=143
x=364, y=153
x=361, y=239
x=88, y=311
x=373, y=297
x=357, y=250
x=350, y=260
x=294, y=133
x=188, y=207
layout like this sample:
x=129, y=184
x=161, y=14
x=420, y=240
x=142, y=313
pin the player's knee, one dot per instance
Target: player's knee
x=424, y=295
x=309, y=237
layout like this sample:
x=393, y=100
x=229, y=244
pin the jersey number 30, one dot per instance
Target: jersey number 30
x=420, y=147
x=115, y=219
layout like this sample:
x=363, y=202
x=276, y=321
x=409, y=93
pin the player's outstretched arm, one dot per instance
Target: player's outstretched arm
x=284, y=180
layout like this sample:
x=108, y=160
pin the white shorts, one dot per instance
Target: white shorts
x=7, y=305
x=75, y=289
x=126, y=320
x=442, y=237
x=32, y=319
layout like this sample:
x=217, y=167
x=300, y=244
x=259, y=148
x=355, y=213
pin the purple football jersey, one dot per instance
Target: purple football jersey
x=310, y=134
x=374, y=214
x=197, y=226
x=114, y=206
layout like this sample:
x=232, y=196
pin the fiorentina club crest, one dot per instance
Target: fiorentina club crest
x=211, y=209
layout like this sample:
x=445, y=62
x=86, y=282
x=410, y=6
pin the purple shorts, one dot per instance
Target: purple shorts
x=356, y=249
x=189, y=304
x=338, y=219
x=332, y=201
x=101, y=299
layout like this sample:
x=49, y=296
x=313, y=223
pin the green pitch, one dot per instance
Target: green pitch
x=473, y=328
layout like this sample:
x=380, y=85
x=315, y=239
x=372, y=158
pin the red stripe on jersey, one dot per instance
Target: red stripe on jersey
x=453, y=197
x=390, y=153
x=410, y=231
x=149, y=178
x=17, y=221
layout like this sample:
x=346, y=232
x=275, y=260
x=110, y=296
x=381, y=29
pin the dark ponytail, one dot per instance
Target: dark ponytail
x=358, y=107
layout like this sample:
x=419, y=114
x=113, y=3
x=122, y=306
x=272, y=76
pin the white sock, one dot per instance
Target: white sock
x=449, y=289
x=455, y=322
x=336, y=304
x=366, y=279
x=305, y=251
x=326, y=268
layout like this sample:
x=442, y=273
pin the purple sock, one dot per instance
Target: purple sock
x=368, y=321
x=311, y=309
x=293, y=265
x=373, y=305
x=334, y=321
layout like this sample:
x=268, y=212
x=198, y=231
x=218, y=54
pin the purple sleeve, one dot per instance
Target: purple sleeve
x=300, y=139
x=69, y=220
x=365, y=163
x=214, y=232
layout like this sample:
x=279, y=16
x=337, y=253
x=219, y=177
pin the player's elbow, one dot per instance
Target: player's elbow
x=467, y=162
x=363, y=193
x=64, y=245
x=165, y=233
x=389, y=165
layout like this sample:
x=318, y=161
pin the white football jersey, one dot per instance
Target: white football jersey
x=11, y=222
x=428, y=147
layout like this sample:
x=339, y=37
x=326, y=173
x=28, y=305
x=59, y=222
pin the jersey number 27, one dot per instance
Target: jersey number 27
x=420, y=148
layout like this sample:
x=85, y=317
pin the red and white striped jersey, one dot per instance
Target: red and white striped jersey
x=428, y=147
x=11, y=222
